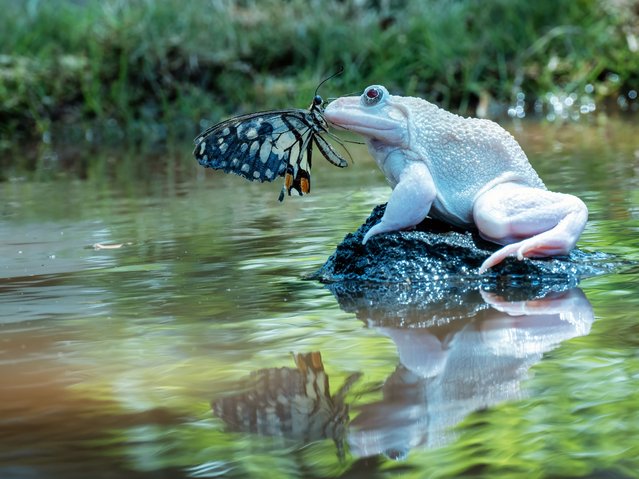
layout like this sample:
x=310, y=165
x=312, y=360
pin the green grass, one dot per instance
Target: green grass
x=99, y=72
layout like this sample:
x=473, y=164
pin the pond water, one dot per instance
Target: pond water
x=164, y=329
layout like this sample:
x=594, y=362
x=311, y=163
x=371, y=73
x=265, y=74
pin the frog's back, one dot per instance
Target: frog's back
x=466, y=156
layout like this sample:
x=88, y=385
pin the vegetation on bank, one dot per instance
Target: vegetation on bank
x=154, y=71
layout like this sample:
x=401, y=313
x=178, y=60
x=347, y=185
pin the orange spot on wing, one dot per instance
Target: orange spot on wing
x=288, y=181
x=305, y=185
x=316, y=360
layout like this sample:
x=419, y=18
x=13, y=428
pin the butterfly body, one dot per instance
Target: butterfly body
x=267, y=145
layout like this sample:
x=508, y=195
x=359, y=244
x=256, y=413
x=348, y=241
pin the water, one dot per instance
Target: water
x=130, y=310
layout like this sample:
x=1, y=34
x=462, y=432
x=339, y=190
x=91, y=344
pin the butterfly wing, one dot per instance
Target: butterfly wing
x=263, y=146
x=329, y=152
x=259, y=146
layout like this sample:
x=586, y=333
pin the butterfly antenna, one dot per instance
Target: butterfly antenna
x=353, y=93
x=338, y=72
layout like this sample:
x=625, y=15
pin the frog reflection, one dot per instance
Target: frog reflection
x=450, y=369
x=289, y=402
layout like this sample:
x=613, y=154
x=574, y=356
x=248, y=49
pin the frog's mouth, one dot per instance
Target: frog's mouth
x=371, y=125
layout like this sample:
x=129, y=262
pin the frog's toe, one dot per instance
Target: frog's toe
x=499, y=255
x=375, y=230
x=540, y=246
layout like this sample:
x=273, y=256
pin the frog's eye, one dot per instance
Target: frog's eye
x=372, y=95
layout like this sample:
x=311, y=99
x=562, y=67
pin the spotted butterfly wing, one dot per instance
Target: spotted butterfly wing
x=264, y=146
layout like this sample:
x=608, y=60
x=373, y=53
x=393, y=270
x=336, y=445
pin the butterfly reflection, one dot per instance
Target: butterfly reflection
x=289, y=402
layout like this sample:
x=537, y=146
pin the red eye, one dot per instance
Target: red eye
x=372, y=95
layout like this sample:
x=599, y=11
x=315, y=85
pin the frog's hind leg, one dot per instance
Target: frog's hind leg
x=531, y=222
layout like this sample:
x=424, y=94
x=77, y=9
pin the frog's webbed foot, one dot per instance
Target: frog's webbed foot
x=409, y=202
x=536, y=247
x=536, y=223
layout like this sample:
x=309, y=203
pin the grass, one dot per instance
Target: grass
x=96, y=72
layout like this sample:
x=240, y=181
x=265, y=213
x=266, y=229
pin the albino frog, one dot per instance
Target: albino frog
x=466, y=171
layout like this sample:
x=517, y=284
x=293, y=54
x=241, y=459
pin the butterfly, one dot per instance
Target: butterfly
x=290, y=402
x=266, y=145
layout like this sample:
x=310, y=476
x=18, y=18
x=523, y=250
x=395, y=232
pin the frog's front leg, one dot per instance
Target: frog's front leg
x=531, y=222
x=410, y=200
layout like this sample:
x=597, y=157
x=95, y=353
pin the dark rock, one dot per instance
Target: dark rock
x=437, y=252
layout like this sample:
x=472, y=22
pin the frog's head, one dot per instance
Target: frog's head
x=380, y=117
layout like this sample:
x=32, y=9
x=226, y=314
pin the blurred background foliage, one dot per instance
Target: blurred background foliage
x=155, y=72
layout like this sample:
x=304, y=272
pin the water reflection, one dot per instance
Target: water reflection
x=289, y=402
x=458, y=353
x=459, y=361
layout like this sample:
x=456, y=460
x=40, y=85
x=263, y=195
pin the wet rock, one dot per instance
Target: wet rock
x=435, y=251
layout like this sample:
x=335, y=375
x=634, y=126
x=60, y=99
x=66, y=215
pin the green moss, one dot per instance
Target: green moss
x=151, y=71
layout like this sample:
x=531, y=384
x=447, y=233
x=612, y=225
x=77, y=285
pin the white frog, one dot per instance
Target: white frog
x=468, y=172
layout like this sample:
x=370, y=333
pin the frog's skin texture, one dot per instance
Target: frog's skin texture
x=466, y=171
